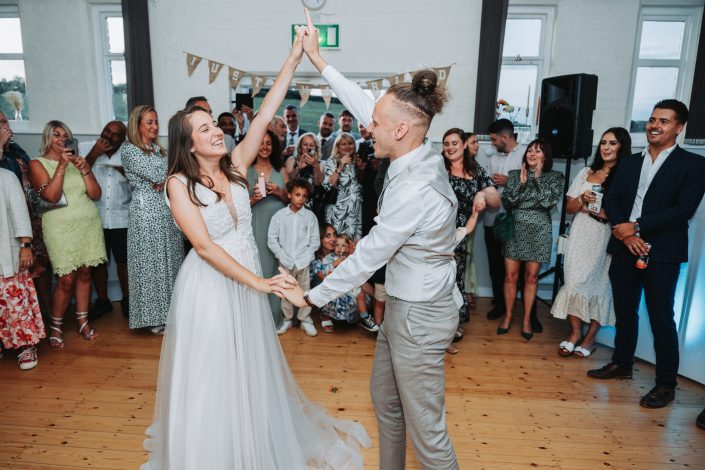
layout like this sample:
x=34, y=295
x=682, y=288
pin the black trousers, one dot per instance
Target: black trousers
x=496, y=264
x=658, y=282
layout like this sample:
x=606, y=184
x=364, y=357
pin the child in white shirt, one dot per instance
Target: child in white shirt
x=293, y=238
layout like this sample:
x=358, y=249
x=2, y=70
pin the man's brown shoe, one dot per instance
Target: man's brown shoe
x=610, y=371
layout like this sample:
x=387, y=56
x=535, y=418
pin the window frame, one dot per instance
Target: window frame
x=546, y=14
x=103, y=57
x=692, y=17
x=13, y=11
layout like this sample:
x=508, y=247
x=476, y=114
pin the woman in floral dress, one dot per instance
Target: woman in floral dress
x=21, y=325
x=471, y=184
x=341, y=173
x=155, y=247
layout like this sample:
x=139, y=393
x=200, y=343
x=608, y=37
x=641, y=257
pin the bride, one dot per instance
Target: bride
x=226, y=398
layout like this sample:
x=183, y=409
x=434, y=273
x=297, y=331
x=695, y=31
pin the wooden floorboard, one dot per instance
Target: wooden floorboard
x=510, y=404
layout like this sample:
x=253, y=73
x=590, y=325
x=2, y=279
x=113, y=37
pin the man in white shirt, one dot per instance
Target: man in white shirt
x=294, y=237
x=415, y=236
x=652, y=197
x=103, y=156
x=507, y=157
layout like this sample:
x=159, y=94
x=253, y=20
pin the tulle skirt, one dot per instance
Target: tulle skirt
x=226, y=398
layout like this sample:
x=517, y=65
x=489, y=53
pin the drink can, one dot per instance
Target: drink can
x=596, y=188
x=642, y=261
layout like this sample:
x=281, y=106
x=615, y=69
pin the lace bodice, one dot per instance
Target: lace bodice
x=229, y=227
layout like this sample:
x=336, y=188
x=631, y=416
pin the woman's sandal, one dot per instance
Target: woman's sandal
x=452, y=349
x=566, y=348
x=583, y=353
x=82, y=318
x=56, y=341
x=327, y=326
x=459, y=333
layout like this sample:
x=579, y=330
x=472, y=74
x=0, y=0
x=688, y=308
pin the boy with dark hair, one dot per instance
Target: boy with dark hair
x=293, y=237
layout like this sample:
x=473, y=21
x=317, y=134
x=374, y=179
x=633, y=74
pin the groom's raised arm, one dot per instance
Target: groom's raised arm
x=349, y=93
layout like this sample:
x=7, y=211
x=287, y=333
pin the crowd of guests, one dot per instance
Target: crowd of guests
x=313, y=196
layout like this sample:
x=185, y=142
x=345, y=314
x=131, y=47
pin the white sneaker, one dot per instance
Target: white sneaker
x=286, y=326
x=27, y=359
x=309, y=328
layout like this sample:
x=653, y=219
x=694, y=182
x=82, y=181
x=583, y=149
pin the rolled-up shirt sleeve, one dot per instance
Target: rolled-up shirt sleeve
x=400, y=216
x=353, y=97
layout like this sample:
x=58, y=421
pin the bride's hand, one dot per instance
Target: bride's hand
x=297, y=48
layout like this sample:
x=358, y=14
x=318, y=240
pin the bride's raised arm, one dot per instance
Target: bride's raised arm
x=245, y=153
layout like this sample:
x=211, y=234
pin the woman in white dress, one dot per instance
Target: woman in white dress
x=586, y=296
x=226, y=398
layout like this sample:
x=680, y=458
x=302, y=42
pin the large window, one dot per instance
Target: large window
x=662, y=61
x=527, y=38
x=13, y=91
x=111, y=60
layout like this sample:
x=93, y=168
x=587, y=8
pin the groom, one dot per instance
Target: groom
x=415, y=237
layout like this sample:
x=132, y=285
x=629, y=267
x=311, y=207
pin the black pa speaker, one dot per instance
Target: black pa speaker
x=567, y=103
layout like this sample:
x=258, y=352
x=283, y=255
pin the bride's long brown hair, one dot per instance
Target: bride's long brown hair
x=181, y=160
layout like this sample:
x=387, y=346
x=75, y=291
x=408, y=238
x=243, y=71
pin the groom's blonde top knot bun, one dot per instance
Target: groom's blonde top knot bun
x=423, y=97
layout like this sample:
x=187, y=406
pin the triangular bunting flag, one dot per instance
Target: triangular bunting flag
x=326, y=94
x=442, y=73
x=305, y=92
x=375, y=86
x=192, y=62
x=395, y=79
x=213, y=70
x=257, y=84
x=234, y=75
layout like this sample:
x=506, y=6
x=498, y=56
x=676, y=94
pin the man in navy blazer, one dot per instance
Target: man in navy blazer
x=653, y=196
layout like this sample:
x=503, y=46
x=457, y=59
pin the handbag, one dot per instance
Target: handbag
x=41, y=205
x=503, y=228
x=330, y=196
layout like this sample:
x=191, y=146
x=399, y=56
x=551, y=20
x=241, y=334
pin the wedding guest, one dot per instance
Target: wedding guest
x=471, y=284
x=293, y=131
x=340, y=176
x=508, y=156
x=293, y=238
x=72, y=231
x=306, y=164
x=474, y=189
x=104, y=158
x=21, y=325
x=325, y=136
x=530, y=194
x=14, y=158
x=268, y=165
x=155, y=247
x=586, y=296
x=653, y=196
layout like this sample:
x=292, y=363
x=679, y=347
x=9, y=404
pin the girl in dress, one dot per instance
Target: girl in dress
x=225, y=396
x=586, y=296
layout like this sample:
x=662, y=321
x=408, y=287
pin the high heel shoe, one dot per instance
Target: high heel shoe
x=504, y=331
x=527, y=336
x=56, y=341
x=90, y=334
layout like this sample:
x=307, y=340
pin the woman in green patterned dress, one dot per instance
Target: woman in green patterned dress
x=73, y=234
x=155, y=247
x=268, y=164
x=530, y=194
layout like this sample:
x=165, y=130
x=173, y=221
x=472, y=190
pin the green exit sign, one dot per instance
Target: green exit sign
x=328, y=35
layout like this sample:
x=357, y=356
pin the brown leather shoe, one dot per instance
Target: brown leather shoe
x=610, y=371
x=658, y=397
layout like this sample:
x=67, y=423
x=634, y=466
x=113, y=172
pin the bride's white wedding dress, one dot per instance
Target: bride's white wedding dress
x=226, y=398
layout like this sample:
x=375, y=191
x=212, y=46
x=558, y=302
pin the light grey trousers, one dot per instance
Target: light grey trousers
x=408, y=382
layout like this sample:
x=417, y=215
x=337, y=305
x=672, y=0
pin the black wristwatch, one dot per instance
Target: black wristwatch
x=25, y=245
x=636, y=227
x=308, y=300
